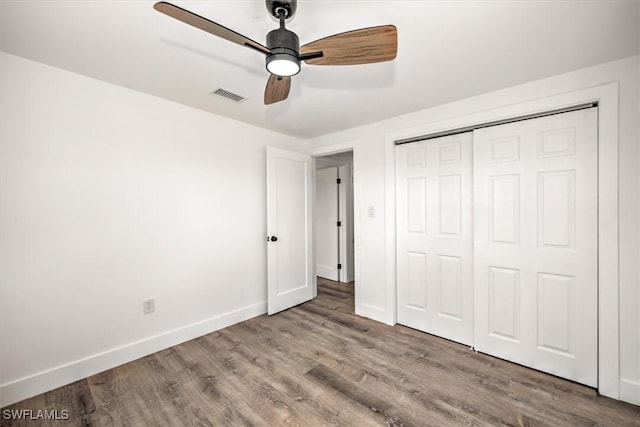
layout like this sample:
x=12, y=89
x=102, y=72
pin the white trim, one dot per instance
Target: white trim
x=371, y=312
x=607, y=96
x=59, y=376
x=630, y=391
x=391, y=293
x=326, y=150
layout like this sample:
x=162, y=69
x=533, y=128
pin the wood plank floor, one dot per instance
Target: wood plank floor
x=318, y=364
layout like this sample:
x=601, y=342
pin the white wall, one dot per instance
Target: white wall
x=110, y=196
x=375, y=285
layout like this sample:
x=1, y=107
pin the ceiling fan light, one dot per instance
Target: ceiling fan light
x=283, y=64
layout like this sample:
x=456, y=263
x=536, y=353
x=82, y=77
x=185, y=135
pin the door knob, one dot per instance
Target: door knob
x=274, y=239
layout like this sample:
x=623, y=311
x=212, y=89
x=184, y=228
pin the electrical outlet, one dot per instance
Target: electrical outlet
x=149, y=305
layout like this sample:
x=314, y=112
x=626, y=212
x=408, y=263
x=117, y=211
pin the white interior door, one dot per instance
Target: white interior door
x=435, y=236
x=327, y=256
x=289, y=240
x=536, y=243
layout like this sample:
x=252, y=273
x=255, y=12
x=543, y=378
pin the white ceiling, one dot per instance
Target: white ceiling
x=448, y=50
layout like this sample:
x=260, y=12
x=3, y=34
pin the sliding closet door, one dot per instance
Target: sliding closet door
x=535, y=233
x=434, y=236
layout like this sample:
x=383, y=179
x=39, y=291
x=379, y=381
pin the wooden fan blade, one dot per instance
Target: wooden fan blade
x=363, y=46
x=277, y=89
x=206, y=25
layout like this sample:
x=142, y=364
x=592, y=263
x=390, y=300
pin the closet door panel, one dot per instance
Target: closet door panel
x=434, y=231
x=535, y=243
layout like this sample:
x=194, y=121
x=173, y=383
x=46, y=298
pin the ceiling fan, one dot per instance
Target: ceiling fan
x=284, y=53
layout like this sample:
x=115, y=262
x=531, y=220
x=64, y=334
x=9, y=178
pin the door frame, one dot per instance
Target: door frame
x=327, y=150
x=608, y=253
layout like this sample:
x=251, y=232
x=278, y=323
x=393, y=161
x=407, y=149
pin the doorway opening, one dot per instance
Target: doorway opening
x=334, y=221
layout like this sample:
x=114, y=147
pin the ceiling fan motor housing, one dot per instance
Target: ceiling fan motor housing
x=284, y=44
x=282, y=38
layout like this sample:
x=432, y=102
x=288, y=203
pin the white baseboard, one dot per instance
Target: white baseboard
x=372, y=312
x=41, y=382
x=630, y=391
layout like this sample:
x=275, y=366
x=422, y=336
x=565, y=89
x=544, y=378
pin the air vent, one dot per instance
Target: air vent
x=229, y=95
